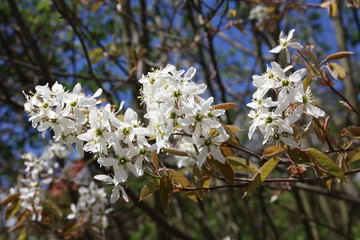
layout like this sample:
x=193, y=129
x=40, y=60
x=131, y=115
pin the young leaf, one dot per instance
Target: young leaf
x=265, y=171
x=149, y=189
x=338, y=55
x=230, y=129
x=10, y=198
x=200, y=180
x=327, y=182
x=13, y=209
x=225, y=169
x=242, y=164
x=23, y=234
x=299, y=156
x=53, y=208
x=306, y=83
x=353, y=132
x=166, y=192
x=96, y=55
x=337, y=71
x=175, y=152
x=326, y=163
x=179, y=179
x=155, y=159
x=225, y=106
x=273, y=151
x=354, y=156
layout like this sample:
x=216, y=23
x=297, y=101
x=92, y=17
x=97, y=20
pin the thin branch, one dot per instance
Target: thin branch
x=31, y=41
x=156, y=216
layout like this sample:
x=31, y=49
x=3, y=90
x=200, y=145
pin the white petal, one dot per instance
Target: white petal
x=290, y=35
x=124, y=195
x=115, y=195
x=107, y=162
x=314, y=111
x=104, y=178
x=290, y=142
x=276, y=49
x=202, y=157
x=97, y=93
x=296, y=114
x=215, y=151
x=295, y=45
x=190, y=73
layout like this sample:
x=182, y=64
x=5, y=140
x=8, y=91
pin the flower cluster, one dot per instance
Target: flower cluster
x=76, y=118
x=174, y=107
x=274, y=117
x=259, y=14
x=122, y=142
x=91, y=206
x=38, y=174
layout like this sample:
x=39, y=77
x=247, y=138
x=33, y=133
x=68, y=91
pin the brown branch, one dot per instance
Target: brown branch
x=156, y=216
x=32, y=42
x=247, y=181
x=60, y=74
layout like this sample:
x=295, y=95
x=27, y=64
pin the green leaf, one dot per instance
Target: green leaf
x=326, y=163
x=337, y=71
x=53, y=208
x=265, y=171
x=96, y=55
x=354, y=155
x=224, y=168
x=242, y=164
x=166, y=192
x=179, y=179
x=327, y=182
x=149, y=189
x=23, y=234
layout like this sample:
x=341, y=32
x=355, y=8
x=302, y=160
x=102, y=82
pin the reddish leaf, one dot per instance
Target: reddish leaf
x=299, y=156
x=338, y=55
x=273, y=151
x=155, y=159
x=200, y=180
x=225, y=106
x=225, y=169
x=353, y=132
x=179, y=179
x=166, y=192
x=337, y=71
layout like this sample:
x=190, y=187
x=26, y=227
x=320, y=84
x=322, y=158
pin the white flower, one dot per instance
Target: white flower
x=285, y=42
x=210, y=145
x=307, y=99
x=116, y=189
